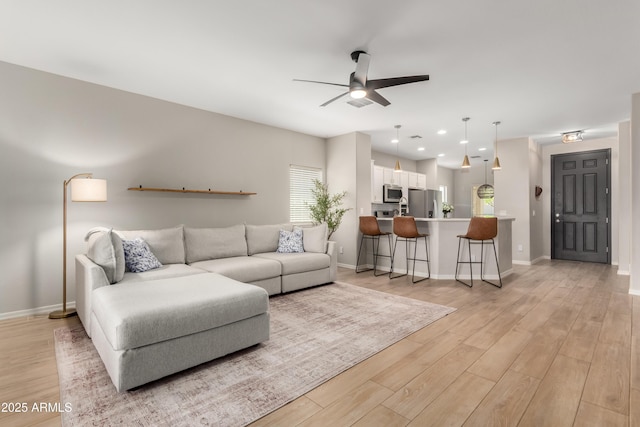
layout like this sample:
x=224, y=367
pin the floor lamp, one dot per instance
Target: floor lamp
x=82, y=190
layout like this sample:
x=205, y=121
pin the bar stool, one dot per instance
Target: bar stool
x=405, y=228
x=481, y=231
x=371, y=230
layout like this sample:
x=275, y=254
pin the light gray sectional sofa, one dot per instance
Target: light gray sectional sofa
x=208, y=299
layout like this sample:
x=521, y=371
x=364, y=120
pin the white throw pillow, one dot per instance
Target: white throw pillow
x=290, y=241
x=105, y=249
x=315, y=238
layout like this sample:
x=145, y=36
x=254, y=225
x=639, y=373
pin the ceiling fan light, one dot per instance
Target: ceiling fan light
x=496, y=164
x=358, y=93
x=465, y=163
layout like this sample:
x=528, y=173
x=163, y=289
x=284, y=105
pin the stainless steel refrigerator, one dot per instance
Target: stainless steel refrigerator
x=425, y=203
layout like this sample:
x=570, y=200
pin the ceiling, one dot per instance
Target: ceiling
x=540, y=67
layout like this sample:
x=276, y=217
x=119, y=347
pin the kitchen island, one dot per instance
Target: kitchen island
x=443, y=245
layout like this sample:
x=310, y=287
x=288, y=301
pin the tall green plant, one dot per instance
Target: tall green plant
x=326, y=209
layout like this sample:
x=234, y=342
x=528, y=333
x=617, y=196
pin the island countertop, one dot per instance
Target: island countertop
x=500, y=218
x=443, y=243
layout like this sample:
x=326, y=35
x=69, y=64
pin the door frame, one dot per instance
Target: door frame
x=607, y=151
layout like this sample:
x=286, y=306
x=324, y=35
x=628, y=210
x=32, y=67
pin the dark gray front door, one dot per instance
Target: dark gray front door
x=580, y=226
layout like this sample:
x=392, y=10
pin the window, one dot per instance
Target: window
x=301, y=184
x=445, y=195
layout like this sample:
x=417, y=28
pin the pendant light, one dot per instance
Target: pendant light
x=398, y=168
x=496, y=161
x=465, y=162
x=485, y=191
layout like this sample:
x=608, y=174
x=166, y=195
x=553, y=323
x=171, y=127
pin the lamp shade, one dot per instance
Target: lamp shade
x=89, y=190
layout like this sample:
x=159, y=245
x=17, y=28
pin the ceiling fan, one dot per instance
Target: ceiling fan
x=360, y=87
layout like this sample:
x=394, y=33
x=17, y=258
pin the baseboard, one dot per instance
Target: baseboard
x=634, y=292
x=352, y=267
x=35, y=311
x=623, y=272
x=520, y=262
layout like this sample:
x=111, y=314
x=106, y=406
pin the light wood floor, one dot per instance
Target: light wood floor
x=556, y=346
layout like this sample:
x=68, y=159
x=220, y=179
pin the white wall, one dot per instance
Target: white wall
x=512, y=189
x=635, y=195
x=445, y=177
x=389, y=161
x=624, y=195
x=535, y=204
x=53, y=127
x=587, y=145
x=463, y=182
x=349, y=169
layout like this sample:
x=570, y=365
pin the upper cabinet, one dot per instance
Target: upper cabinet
x=390, y=177
x=377, y=181
x=381, y=176
x=417, y=181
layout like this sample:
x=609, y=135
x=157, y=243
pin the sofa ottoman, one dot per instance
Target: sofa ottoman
x=144, y=331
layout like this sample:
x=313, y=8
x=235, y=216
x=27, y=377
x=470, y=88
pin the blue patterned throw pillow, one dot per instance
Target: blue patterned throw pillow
x=290, y=241
x=138, y=257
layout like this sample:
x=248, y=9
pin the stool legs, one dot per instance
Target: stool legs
x=414, y=259
x=375, y=246
x=481, y=262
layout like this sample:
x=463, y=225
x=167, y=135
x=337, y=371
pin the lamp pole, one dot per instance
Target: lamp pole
x=60, y=314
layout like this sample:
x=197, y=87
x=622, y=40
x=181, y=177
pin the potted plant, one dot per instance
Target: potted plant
x=327, y=208
x=447, y=209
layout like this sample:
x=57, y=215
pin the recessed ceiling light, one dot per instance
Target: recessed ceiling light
x=395, y=140
x=441, y=155
x=442, y=132
x=464, y=141
x=569, y=137
x=482, y=149
x=420, y=148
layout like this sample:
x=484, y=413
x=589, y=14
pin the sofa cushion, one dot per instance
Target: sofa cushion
x=167, y=244
x=245, y=268
x=264, y=238
x=138, y=257
x=298, y=262
x=290, y=241
x=314, y=239
x=213, y=243
x=167, y=271
x=133, y=315
x=104, y=247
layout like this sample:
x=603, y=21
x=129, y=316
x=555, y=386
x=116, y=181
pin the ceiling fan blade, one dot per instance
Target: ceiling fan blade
x=333, y=99
x=322, y=83
x=395, y=81
x=362, y=68
x=376, y=97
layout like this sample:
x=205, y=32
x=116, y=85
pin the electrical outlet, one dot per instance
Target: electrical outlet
x=519, y=248
x=362, y=211
x=341, y=249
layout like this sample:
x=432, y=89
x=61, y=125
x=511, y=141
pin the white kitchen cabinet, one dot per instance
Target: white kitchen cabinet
x=413, y=180
x=391, y=177
x=377, y=181
x=422, y=181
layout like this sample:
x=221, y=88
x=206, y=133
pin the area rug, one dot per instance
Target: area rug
x=316, y=334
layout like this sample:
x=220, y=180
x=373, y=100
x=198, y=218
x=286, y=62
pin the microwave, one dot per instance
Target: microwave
x=391, y=193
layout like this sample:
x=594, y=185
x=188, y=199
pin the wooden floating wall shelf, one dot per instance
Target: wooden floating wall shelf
x=183, y=190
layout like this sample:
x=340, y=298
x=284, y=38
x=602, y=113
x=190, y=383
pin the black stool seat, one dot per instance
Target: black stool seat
x=371, y=230
x=482, y=231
